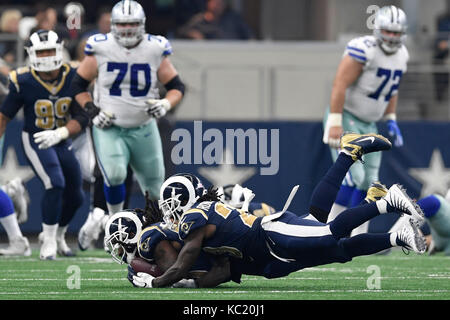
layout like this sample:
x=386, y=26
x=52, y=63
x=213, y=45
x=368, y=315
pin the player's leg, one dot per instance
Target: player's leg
x=45, y=164
x=73, y=194
x=112, y=158
x=353, y=147
x=147, y=159
x=18, y=244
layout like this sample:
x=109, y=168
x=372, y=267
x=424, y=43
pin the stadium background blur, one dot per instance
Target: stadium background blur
x=276, y=80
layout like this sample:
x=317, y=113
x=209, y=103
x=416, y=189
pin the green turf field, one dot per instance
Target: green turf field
x=92, y=275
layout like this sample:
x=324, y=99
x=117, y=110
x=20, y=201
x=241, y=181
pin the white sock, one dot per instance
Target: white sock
x=49, y=230
x=11, y=226
x=113, y=208
x=382, y=206
x=61, y=231
x=336, y=209
x=393, y=239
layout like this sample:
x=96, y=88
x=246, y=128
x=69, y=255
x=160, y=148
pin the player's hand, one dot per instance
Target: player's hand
x=157, y=107
x=48, y=138
x=248, y=197
x=143, y=280
x=103, y=120
x=185, y=283
x=334, y=137
x=394, y=132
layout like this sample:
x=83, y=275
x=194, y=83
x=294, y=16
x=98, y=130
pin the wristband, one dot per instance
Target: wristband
x=390, y=116
x=63, y=132
x=334, y=120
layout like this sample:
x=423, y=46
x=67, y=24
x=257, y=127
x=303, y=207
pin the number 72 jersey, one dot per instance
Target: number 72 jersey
x=379, y=81
x=127, y=77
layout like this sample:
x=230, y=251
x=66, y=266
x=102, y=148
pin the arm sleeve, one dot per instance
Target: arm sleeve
x=79, y=114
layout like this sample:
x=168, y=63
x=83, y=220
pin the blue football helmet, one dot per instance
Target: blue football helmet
x=177, y=195
x=122, y=232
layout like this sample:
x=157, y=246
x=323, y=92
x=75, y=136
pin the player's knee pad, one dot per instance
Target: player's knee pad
x=115, y=174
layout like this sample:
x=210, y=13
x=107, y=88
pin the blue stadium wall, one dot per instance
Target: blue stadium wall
x=303, y=160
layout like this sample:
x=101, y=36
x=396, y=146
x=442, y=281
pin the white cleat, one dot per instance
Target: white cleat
x=20, y=198
x=63, y=249
x=91, y=229
x=411, y=235
x=17, y=247
x=48, y=247
x=398, y=199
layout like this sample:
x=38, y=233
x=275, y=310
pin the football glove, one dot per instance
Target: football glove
x=157, y=107
x=185, y=283
x=48, y=138
x=103, y=120
x=394, y=132
x=248, y=197
x=143, y=280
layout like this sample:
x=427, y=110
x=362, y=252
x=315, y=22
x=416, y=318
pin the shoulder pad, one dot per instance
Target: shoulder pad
x=361, y=49
x=93, y=42
x=191, y=220
x=163, y=44
x=14, y=76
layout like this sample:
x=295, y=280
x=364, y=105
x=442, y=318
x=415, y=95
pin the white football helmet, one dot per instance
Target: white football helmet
x=122, y=232
x=390, y=18
x=177, y=195
x=128, y=11
x=45, y=40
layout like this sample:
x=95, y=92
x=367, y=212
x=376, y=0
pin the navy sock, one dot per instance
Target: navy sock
x=325, y=192
x=366, y=243
x=351, y=218
x=114, y=194
x=52, y=205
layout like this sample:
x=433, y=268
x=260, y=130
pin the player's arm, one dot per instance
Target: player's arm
x=219, y=273
x=12, y=103
x=168, y=76
x=347, y=73
x=391, y=121
x=165, y=255
x=180, y=269
x=86, y=72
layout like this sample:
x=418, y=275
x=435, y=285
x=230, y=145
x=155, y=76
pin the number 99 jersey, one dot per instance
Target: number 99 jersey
x=369, y=96
x=127, y=77
x=46, y=106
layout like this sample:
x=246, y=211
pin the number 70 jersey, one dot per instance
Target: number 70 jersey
x=127, y=77
x=379, y=81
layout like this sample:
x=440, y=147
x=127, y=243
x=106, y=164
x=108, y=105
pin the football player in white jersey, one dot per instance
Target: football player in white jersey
x=365, y=91
x=127, y=64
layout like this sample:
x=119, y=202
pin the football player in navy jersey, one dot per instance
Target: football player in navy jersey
x=283, y=242
x=51, y=116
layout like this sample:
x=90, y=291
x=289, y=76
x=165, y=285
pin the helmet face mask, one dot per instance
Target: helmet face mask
x=128, y=23
x=390, y=28
x=177, y=195
x=121, y=235
x=43, y=42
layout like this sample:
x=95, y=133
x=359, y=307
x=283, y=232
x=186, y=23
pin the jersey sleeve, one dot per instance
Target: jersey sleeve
x=190, y=221
x=163, y=44
x=13, y=101
x=93, y=44
x=361, y=49
x=148, y=240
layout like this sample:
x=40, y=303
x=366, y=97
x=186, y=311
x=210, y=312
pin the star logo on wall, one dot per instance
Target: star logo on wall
x=12, y=169
x=226, y=172
x=435, y=178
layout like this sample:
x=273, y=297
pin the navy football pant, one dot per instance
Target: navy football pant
x=60, y=173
